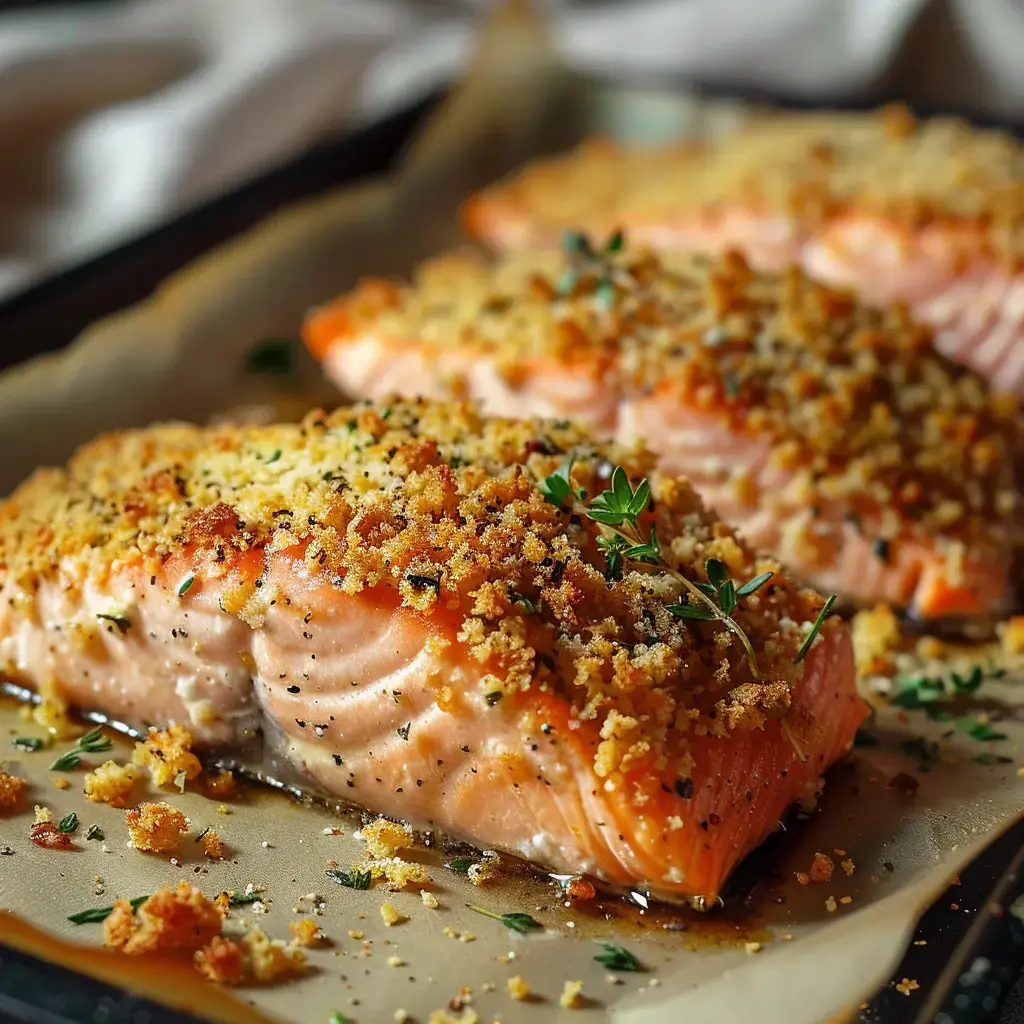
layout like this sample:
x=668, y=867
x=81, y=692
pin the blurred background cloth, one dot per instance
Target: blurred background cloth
x=116, y=115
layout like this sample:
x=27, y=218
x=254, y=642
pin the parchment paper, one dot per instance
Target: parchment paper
x=182, y=354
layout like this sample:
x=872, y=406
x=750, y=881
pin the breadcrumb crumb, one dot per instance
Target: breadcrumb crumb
x=385, y=838
x=395, y=961
x=61, y=783
x=399, y=873
x=517, y=987
x=166, y=753
x=306, y=932
x=848, y=866
x=43, y=814
x=484, y=871
x=907, y=985
x=830, y=904
x=469, y=1016
x=221, y=960
x=1012, y=635
x=12, y=787
x=111, y=784
x=221, y=785
x=271, y=959
x=179, y=918
x=429, y=899
x=821, y=868
x=156, y=827
x=213, y=845
x=391, y=916
x=570, y=997
x=876, y=634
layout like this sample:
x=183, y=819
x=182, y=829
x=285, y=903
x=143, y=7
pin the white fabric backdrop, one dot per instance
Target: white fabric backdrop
x=114, y=116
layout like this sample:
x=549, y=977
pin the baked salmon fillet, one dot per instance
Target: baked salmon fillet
x=929, y=213
x=829, y=433
x=415, y=601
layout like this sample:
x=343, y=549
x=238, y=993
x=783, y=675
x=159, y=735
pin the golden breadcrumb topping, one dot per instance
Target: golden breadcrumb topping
x=572, y=995
x=518, y=988
x=855, y=405
x=111, y=783
x=156, y=827
x=167, y=755
x=220, y=785
x=271, y=960
x=390, y=916
x=439, y=509
x=385, y=838
x=810, y=168
x=1012, y=635
x=221, y=960
x=306, y=932
x=171, y=919
x=12, y=788
x=876, y=636
x=212, y=844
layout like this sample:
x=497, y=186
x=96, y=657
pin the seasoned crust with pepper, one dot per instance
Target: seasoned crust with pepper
x=851, y=399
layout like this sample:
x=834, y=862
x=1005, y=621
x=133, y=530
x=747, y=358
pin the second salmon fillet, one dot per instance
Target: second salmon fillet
x=830, y=433
x=929, y=213
x=418, y=599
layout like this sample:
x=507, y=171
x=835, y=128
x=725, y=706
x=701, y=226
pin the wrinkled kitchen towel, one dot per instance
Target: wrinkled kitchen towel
x=115, y=116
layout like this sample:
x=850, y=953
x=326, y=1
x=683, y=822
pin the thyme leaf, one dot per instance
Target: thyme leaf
x=815, y=629
x=617, y=958
x=460, y=864
x=91, y=743
x=186, y=585
x=354, y=879
x=118, y=620
x=29, y=743
x=95, y=914
x=521, y=923
x=68, y=823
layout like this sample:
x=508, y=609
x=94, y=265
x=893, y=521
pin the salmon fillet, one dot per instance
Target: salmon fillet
x=829, y=433
x=389, y=591
x=927, y=213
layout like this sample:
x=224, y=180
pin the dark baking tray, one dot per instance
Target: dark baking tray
x=970, y=966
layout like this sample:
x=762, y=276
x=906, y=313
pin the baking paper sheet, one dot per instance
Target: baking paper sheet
x=182, y=354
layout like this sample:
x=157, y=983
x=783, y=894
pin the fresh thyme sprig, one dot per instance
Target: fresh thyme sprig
x=583, y=256
x=521, y=923
x=92, y=742
x=617, y=511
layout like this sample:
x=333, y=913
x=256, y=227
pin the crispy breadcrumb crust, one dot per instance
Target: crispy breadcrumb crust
x=156, y=827
x=808, y=168
x=171, y=919
x=221, y=960
x=12, y=788
x=167, y=753
x=437, y=508
x=854, y=403
x=305, y=932
x=111, y=783
x=271, y=960
x=212, y=844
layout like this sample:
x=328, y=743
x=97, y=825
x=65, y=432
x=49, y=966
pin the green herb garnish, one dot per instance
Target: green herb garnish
x=68, y=823
x=94, y=832
x=420, y=582
x=991, y=759
x=816, y=628
x=91, y=743
x=461, y=865
x=274, y=456
x=186, y=585
x=102, y=913
x=275, y=355
x=336, y=1018
x=521, y=923
x=354, y=879
x=29, y=743
x=242, y=899
x=617, y=958
x=617, y=510
x=979, y=730
x=118, y=620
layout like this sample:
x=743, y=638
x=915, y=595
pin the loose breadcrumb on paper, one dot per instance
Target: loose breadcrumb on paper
x=752, y=947
x=12, y=787
x=907, y=985
x=212, y=844
x=166, y=753
x=395, y=961
x=517, y=987
x=391, y=916
x=43, y=814
x=156, y=827
x=272, y=960
x=1012, y=635
x=306, y=932
x=355, y=934
x=221, y=960
x=401, y=1016
x=468, y=1016
x=821, y=868
x=571, y=997
x=876, y=634
x=385, y=838
x=485, y=871
x=830, y=904
x=398, y=873
x=111, y=783
x=179, y=918
x=429, y=899
x=220, y=785
x=848, y=866
x=61, y=783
